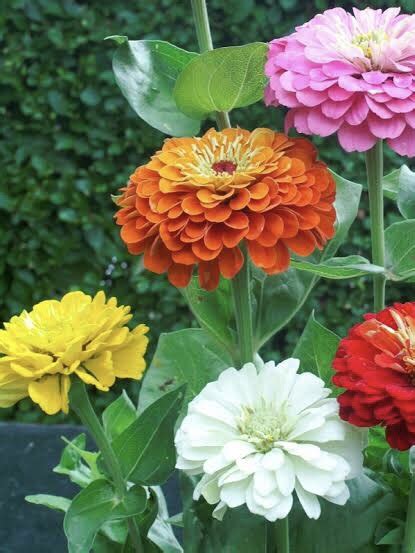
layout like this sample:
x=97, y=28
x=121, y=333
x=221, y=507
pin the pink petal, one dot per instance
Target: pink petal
x=356, y=140
x=337, y=68
x=286, y=81
x=351, y=84
x=401, y=106
x=375, y=77
x=321, y=125
x=404, y=144
x=358, y=113
x=269, y=97
x=386, y=128
x=338, y=94
x=402, y=81
x=301, y=121
x=380, y=109
x=301, y=81
x=285, y=98
x=322, y=85
x=310, y=98
x=396, y=92
x=334, y=110
x=410, y=119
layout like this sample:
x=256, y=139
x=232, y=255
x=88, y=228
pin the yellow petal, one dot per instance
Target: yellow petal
x=101, y=367
x=129, y=360
x=49, y=393
x=88, y=378
x=13, y=388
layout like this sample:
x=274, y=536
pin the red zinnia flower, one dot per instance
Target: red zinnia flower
x=198, y=199
x=376, y=365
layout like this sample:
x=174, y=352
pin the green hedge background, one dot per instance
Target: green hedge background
x=69, y=140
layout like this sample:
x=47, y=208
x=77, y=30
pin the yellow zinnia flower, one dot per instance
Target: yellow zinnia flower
x=42, y=350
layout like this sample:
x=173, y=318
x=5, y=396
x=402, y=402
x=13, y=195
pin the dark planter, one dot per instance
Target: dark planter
x=28, y=454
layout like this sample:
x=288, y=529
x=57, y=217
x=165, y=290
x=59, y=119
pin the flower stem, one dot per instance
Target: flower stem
x=80, y=403
x=409, y=539
x=241, y=286
x=374, y=168
x=241, y=291
x=204, y=39
x=282, y=535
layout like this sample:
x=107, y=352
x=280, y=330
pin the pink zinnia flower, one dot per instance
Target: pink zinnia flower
x=350, y=74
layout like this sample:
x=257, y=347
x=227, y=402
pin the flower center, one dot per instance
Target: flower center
x=406, y=335
x=370, y=43
x=261, y=427
x=224, y=167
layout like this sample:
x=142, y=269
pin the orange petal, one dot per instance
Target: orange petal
x=213, y=237
x=129, y=233
x=256, y=225
x=180, y=275
x=230, y=262
x=259, y=190
x=157, y=257
x=232, y=237
x=283, y=260
x=209, y=275
x=238, y=220
x=240, y=200
x=191, y=205
x=203, y=253
x=303, y=244
x=261, y=256
x=184, y=257
x=291, y=224
x=218, y=214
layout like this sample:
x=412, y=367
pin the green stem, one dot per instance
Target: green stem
x=241, y=291
x=374, y=167
x=282, y=535
x=409, y=539
x=241, y=282
x=204, y=39
x=82, y=406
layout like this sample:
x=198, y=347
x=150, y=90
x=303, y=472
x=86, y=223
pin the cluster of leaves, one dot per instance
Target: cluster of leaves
x=97, y=517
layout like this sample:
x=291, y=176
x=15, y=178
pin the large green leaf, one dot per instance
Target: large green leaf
x=187, y=356
x=72, y=462
x=93, y=507
x=221, y=80
x=213, y=310
x=279, y=297
x=390, y=183
x=339, y=267
x=118, y=416
x=406, y=193
x=239, y=531
x=345, y=529
x=400, y=250
x=146, y=72
x=316, y=350
x=146, y=448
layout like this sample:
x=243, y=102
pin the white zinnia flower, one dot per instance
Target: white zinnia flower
x=259, y=435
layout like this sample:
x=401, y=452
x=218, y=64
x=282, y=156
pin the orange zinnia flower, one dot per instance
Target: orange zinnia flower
x=198, y=199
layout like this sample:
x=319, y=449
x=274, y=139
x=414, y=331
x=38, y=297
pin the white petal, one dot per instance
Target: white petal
x=208, y=487
x=307, y=423
x=286, y=477
x=339, y=494
x=307, y=451
x=307, y=390
x=215, y=411
x=350, y=449
x=313, y=480
x=250, y=464
x=215, y=463
x=237, y=449
x=234, y=494
x=273, y=459
x=327, y=432
x=220, y=510
x=264, y=481
x=309, y=502
x=281, y=510
x=233, y=474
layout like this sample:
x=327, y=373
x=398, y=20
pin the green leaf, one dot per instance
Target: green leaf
x=146, y=71
x=400, y=250
x=316, y=350
x=93, y=507
x=221, y=80
x=118, y=416
x=345, y=529
x=290, y=290
x=339, y=267
x=72, y=465
x=390, y=184
x=187, y=356
x=213, y=310
x=406, y=194
x=54, y=502
x=146, y=448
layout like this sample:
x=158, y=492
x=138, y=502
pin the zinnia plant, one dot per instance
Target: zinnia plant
x=314, y=453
